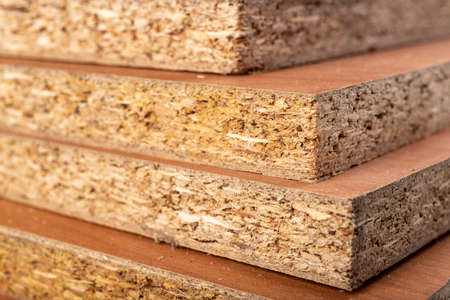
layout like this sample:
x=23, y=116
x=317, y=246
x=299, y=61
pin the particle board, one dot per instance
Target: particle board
x=232, y=36
x=35, y=267
x=341, y=231
x=305, y=123
x=442, y=293
x=32, y=233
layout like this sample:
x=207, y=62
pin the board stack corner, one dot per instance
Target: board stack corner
x=296, y=154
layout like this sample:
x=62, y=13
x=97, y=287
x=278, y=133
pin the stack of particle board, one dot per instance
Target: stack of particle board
x=331, y=172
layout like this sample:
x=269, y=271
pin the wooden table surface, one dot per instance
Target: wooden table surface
x=417, y=277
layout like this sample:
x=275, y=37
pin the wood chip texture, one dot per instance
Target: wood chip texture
x=232, y=36
x=34, y=267
x=340, y=241
x=285, y=134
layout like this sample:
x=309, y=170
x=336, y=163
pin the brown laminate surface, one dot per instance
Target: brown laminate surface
x=357, y=181
x=415, y=278
x=308, y=79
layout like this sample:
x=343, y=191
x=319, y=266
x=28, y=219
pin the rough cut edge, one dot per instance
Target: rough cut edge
x=34, y=267
x=306, y=235
x=361, y=122
x=272, y=227
x=254, y=130
x=285, y=33
x=233, y=36
x=289, y=135
x=398, y=219
x=189, y=35
x=443, y=293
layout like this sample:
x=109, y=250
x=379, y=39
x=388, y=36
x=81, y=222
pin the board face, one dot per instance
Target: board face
x=292, y=135
x=356, y=182
x=243, y=36
x=214, y=212
x=315, y=78
x=429, y=266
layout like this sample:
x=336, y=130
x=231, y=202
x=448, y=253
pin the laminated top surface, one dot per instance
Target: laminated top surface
x=309, y=79
x=429, y=267
x=358, y=181
x=306, y=123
